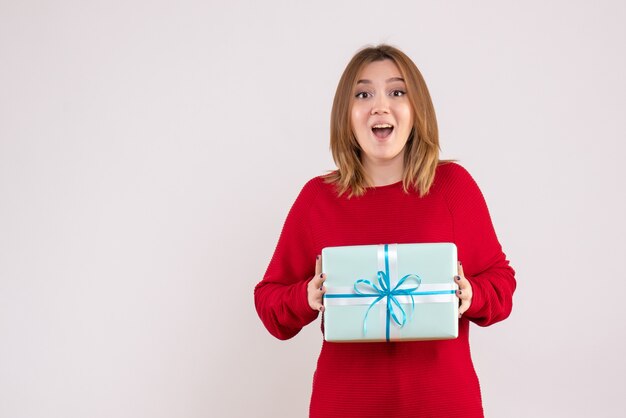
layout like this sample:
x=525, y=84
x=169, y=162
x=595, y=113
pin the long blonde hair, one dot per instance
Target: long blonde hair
x=421, y=154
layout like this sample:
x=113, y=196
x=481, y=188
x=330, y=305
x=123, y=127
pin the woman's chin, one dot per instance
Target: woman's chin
x=386, y=156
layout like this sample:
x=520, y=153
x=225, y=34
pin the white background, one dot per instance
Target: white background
x=150, y=151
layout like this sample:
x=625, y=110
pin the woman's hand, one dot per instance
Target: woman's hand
x=315, y=290
x=465, y=291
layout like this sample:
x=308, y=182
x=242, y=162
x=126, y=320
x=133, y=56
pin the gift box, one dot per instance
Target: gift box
x=390, y=292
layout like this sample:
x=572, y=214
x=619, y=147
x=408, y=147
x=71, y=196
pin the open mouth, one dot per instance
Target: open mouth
x=382, y=130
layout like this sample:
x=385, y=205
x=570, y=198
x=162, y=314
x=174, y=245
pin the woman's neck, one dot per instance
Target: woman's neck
x=383, y=173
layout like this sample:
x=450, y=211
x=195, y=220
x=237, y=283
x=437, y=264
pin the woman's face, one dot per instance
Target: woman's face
x=381, y=115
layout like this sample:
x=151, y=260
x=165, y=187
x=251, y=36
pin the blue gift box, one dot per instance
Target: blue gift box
x=390, y=292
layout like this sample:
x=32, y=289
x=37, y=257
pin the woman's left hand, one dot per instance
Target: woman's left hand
x=465, y=291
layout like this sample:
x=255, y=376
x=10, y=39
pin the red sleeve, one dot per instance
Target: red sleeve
x=484, y=263
x=281, y=297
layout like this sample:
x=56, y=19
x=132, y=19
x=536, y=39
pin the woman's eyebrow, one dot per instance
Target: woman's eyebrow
x=389, y=80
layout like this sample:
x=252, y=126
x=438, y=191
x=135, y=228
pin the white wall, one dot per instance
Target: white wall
x=150, y=150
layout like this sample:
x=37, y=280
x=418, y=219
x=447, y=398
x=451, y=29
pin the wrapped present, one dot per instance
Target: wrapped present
x=390, y=292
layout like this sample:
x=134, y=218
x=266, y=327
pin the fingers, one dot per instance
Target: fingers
x=315, y=289
x=465, y=304
x=318, y=280
x=318, y=265
x=464, y=292
x=319, y=276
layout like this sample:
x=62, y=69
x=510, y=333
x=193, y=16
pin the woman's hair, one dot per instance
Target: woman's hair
x=421, y=155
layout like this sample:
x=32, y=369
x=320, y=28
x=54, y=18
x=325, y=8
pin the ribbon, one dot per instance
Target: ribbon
x=383, y=290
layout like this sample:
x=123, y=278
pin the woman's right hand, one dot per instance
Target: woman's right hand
x=315, y=290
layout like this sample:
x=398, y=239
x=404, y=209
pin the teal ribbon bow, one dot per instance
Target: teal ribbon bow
x=384, y=290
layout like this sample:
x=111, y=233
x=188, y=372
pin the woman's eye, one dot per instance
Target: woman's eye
x=398, y=93
x=362, y=95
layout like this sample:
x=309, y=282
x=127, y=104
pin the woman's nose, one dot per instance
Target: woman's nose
x=380, y=104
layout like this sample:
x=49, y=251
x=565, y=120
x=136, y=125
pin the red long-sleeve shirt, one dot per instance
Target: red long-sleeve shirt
x=390, y=379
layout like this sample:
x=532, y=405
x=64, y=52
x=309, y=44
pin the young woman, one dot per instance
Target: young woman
x=390, y=187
